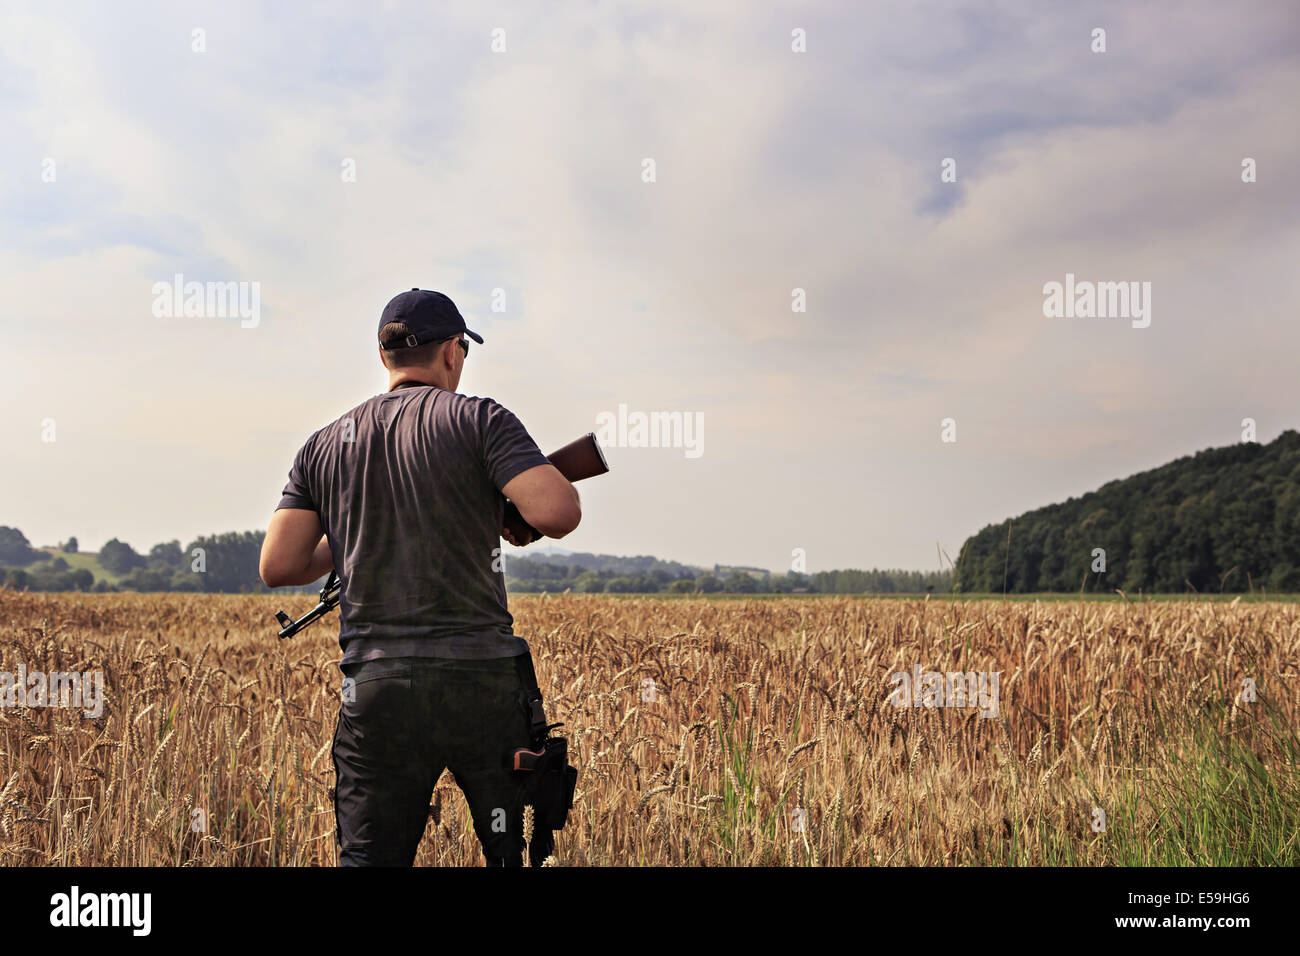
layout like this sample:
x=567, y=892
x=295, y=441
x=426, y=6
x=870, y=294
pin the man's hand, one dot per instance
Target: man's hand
x=515, y=529
x=544, y=499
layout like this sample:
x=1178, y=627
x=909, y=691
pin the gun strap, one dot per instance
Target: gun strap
x=533, y=695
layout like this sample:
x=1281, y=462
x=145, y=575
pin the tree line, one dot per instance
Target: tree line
x=525, y=575
x=220, y=563
x=228, y=563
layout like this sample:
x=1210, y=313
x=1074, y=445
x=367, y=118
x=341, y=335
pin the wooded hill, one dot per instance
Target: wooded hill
x=1224, y=519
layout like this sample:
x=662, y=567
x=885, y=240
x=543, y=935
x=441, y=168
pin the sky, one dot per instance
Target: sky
x=623, y=199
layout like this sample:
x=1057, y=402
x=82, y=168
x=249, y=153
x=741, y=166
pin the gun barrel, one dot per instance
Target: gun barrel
x=329, y=600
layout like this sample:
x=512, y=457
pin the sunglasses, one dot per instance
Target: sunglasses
x=464, y=345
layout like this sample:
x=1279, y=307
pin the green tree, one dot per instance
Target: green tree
x=738, y=582
x=167, y=554
x=231, y=561
x=147, y=579
x=119, y=557
x=186, y=581
x=15, y=549
x=589, y=582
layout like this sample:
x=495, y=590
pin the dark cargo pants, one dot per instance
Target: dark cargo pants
x=409, y=718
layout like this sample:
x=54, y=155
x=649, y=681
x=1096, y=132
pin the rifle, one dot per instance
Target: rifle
x=578, y=460
x=329, y=600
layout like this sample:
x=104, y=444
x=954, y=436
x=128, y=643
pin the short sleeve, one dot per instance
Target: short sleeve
x=296, y=494
x=508, y=449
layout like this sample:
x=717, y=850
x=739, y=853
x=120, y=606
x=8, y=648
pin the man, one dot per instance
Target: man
x=403, y=496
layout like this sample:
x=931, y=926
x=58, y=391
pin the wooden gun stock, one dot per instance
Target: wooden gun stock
x=580, y=459
x=576, y=461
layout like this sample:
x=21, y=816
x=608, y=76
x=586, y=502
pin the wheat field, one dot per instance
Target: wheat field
x=706, y=732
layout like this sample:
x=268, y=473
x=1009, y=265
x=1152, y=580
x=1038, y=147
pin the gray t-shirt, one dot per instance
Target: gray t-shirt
x=408, y=489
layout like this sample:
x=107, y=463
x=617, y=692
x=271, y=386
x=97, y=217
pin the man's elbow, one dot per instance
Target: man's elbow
x=272, y=576
x=562, y=521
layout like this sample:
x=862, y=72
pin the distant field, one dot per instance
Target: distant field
x=1044, y=597
x=84, y=559
x=722, y=733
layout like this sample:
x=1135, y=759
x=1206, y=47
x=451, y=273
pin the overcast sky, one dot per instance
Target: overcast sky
x=129, y=156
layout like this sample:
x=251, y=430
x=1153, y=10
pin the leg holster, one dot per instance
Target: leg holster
x=543, y=768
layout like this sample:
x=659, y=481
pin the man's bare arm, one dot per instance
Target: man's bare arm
x=295, y=550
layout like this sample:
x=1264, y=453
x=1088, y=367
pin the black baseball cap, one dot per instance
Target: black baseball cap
x=431, y=317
